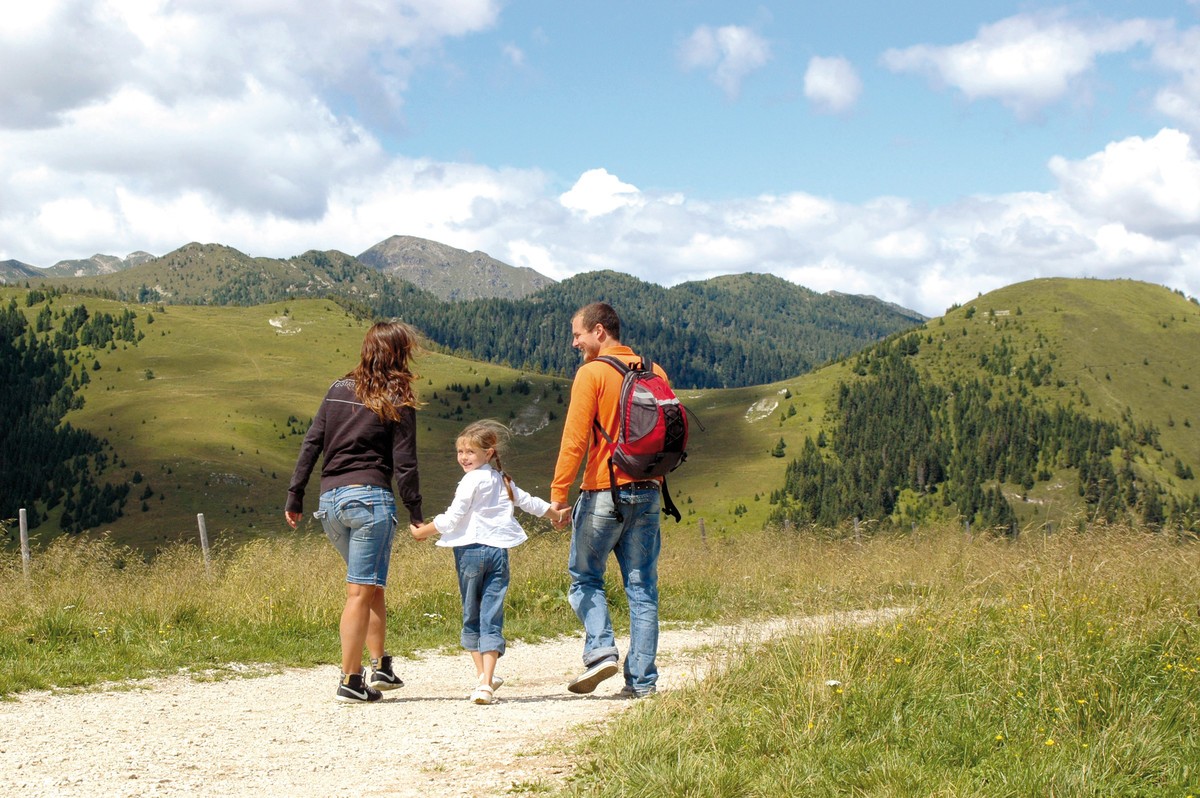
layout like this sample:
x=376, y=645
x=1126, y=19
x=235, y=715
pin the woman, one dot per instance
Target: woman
x=366, y=429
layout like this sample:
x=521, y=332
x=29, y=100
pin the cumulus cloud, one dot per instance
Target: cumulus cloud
x=1150, y=185
x=925, y=258
x=832, y=84
x=189, y=121
x=58, y=56
x=1179, y=55
x=728, y=54
x=232, y=102
x=1026, y=61
x=597, y=193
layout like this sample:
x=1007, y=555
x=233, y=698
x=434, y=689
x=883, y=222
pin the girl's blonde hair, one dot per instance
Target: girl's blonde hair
x=490, y=434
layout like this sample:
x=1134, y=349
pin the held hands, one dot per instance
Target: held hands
x=559, y=514
x=422, y=531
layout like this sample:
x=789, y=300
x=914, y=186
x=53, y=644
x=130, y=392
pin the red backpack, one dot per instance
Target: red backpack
x=652, y=429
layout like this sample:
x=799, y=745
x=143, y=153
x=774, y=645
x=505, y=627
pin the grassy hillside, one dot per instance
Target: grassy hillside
x=1122, y=352
x=211, y=405
x=1119, y=350
x=730, y=331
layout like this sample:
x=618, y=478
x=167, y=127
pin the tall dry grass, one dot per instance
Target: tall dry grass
x=1050, y=666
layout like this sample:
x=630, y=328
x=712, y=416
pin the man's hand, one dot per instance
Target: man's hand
x=292, y=518
x=562, y=514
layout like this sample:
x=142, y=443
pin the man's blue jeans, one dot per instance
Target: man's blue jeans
x=636, y=543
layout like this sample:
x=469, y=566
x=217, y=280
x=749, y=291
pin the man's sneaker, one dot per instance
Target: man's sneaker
x=382, y=675
x=354, y=690
x=586, y=682
x=628, y=692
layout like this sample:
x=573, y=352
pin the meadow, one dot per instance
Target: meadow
x=1050, y=665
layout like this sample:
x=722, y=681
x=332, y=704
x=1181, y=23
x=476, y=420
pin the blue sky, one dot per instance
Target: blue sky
x=920, y=152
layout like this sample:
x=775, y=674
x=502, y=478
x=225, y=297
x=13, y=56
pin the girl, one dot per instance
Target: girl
x=366, y=431
x=480, y=527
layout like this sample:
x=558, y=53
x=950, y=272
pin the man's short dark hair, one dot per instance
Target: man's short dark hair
x=602, y=314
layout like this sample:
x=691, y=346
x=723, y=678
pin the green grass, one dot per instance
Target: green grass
x=93, y=610
x=1061, y=666
x=210, y=434
x=1117, y=348
x=209, y=431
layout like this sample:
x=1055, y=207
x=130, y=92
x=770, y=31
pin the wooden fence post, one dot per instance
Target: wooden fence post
x=24, y=543
x=203, y=538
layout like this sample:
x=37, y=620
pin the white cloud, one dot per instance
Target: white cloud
x=832, y=84
x=193, y=121
x=1179, y=54
x=1026, y=61
x=597, y=193
x=58, y=56
x=923, y=258
x=514, y=54
x=1150, y=186
x=224, y=110
x=729, y=54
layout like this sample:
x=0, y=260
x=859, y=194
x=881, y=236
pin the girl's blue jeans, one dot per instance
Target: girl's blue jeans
x=482, y=582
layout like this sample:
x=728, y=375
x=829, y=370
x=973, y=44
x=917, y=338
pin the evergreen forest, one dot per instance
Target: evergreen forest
x=47, y=462
x=727, y=332
x=903, y=448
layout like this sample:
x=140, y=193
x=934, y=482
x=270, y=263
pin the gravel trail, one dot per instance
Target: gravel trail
x=283, y=734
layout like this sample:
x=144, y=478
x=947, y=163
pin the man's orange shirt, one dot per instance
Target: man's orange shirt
x=595, y=395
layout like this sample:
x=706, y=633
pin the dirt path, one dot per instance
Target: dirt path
x=283, y=734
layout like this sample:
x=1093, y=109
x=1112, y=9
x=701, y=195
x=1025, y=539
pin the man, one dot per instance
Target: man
x=597, y=530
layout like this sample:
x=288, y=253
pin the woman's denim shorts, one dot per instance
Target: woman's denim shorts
x=360, y=521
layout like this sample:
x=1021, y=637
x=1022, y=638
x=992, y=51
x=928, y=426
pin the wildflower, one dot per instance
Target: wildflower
x=1049, y=741
x=999, y=738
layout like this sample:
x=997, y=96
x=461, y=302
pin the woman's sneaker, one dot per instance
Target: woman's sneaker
x=382, y=675
x=353, y=689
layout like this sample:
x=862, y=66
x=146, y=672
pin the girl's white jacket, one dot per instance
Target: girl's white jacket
x=482, y=513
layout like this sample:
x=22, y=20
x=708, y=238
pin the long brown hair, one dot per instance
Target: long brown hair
x=490, y=434
x=383, y=379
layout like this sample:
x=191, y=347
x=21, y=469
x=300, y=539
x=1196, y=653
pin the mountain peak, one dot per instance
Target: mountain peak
x=450, y=273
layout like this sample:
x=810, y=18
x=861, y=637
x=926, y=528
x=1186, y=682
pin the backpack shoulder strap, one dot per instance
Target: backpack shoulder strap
x=615, y=362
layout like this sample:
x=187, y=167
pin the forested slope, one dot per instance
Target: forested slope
x=1071, y=392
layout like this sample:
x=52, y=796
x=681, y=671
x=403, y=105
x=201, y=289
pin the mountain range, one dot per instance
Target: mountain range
x=723, y=332
x=1064, y=401
x=446, y=272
